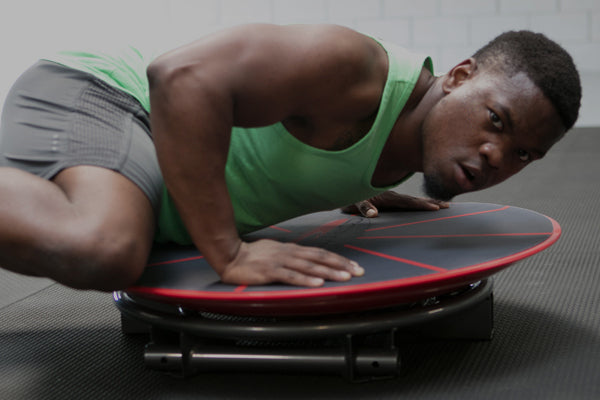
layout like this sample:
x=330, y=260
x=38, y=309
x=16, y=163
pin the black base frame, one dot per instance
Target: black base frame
x=358, y=346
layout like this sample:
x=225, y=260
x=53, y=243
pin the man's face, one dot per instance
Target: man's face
x=485, y=129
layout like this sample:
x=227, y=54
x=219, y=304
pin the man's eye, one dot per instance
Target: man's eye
x=524, y=156
x=496, y=121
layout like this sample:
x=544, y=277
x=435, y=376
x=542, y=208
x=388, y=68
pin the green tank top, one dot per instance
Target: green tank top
x=272, y=176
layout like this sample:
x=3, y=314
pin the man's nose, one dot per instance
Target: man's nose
x=492, y=154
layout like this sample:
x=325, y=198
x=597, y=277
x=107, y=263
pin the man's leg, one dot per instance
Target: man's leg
x=88, y=228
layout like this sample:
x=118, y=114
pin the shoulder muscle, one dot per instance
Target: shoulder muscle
x=273, y=72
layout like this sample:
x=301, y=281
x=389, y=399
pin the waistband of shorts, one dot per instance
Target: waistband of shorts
x=58, y=68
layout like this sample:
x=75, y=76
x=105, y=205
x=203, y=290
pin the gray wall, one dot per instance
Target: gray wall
x=449, y=30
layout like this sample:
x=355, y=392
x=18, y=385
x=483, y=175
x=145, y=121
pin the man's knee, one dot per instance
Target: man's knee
x=110, y=231
x=103, y=260
x=89, y=228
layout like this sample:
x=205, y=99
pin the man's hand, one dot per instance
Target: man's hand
x=393, y=201
x=267, y=261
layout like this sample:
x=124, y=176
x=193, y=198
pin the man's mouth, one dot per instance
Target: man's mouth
x=470, y=176
x=466, y=177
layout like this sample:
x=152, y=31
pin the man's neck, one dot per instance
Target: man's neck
x=402, y=153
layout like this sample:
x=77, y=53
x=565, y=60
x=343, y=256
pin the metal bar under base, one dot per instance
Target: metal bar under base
x=354, y=363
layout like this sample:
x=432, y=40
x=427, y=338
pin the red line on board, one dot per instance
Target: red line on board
x=403, y=260
x=451, y=236
x=437, y=219
x=175, y=261
x=280, y=229
x=322, y=229
x=240, y=288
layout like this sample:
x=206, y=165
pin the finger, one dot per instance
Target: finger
x=311, y=269
x=292, y=277
x=367, y=209
x=419, y=203
x=351, y=209
x=271, y=274
x=296, y=278
x=440, y=203
x=325, y=258
x=395, y=201
x=300, y=272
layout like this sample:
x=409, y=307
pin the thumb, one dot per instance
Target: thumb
x=367, y=209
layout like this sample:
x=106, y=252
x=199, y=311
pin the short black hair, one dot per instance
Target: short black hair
x=544, y=61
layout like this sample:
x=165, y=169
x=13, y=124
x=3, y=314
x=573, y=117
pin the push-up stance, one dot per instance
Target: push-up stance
x=250, y=127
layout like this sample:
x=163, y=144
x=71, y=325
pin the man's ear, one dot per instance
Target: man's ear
x=459, y=74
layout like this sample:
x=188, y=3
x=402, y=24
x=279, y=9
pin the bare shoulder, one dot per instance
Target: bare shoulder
x=345, y=68
x=312, y=43
x=275, y=71
x=335, y=39
x=307, y=48
x=336, y=44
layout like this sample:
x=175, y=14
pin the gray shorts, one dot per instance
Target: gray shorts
x=56, y=117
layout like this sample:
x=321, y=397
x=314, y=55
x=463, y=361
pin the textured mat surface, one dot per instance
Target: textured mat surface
x=57, y=343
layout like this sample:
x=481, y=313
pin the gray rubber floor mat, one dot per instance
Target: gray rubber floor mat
x=14, y=287
x=58, y=343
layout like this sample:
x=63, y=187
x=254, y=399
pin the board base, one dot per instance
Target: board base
x=358, y=346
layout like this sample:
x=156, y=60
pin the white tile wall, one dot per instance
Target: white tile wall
x=295, y=11
x=579, y=5
x=467, y=7
x=236, y=12
x=440, y=31
x=353, y=9
x=410, y=8
x=485, y=28
x=396, y=30
x=528, y=6
x=566, y=27
x=449, y=30
x=596, y=26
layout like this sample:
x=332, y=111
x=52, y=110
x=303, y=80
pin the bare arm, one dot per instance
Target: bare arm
x=250, y=76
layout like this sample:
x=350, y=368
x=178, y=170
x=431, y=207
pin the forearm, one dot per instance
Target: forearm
x=192, y=134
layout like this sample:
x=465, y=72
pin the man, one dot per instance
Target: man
x=252, y=126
